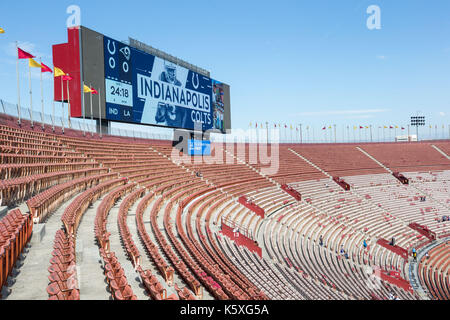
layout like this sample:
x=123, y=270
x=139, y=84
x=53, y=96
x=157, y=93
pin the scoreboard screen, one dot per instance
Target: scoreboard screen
x=144, y=89
x=136, y=85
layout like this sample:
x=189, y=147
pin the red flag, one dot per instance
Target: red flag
x=403, y=128
x=94, y=91
x=45, y=68
x=23, y=54
x=361, y=127
x=66, y=78
x=324, y=128
x=391, y=127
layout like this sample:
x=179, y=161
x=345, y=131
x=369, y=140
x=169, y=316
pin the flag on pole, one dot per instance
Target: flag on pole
x=329, y=127
x=391, y=127
x=396, y=127
x=45, y=68
x=2, y=30
x=33, y=64
x=324, y=128
x=66, y=77
x=23, y=54
x=59, y=72
x=361, y=127
x=403, y=128
x=86, y=89
x=94, y=91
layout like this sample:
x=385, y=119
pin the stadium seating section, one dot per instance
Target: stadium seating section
x=164, y=226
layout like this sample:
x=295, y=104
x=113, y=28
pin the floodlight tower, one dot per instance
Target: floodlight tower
x=417, y=121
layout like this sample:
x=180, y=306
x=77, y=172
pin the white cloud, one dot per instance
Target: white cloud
x=381, y=57
x=442, y=114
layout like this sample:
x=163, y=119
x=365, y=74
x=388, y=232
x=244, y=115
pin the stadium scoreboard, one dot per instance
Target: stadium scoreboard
x=139, y=87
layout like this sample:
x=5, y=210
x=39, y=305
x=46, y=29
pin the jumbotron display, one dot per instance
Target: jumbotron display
x=138, y=87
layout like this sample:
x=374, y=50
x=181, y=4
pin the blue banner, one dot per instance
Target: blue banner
x=199, y=148
x=144, y=89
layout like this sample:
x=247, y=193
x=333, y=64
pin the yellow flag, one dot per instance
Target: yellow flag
x=396, y=127
x=2, y=30
x=59, y=72
x=87, y=89
x=354, y=128
x=34, y=64
x=250, y=124
x=385, y=127
x=329, y=127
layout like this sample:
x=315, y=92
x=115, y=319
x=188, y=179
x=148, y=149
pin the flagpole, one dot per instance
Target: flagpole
x=53, y=106
x=100, y=113
x=31, y=97
x=42, y=98
x=68, y=102
x=62, y=103
x=18, y=85
x=92, y=132
x=82, y=111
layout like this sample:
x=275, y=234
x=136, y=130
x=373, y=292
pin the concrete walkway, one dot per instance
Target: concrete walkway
x=91, y=280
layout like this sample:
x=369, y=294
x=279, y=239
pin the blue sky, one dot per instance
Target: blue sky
x=309, y=62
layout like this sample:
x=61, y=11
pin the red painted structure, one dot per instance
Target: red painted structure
x=240, y=237
x=396, y=249
x=67, y=57
x=401, y=178
x=344, y=185
x=423, y=230
x=294, y=193
x=252, y=206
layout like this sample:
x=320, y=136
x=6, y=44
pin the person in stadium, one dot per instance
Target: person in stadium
x=320, y=240
x=365, y=244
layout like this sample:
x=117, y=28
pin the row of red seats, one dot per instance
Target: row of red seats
x=152, y=285
x=15, y=232
x=115, y=276
x=180, y=266
x=63, y=283
x=47, y=201
x=215, y=289
x=27, y=159
x=12, y=171
x=125, y=234
x=17, y=190
x=59, y=152
x=166, y=270
x=73, y=213
x=117, y=281
x=228, y=268
x=103, y=209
